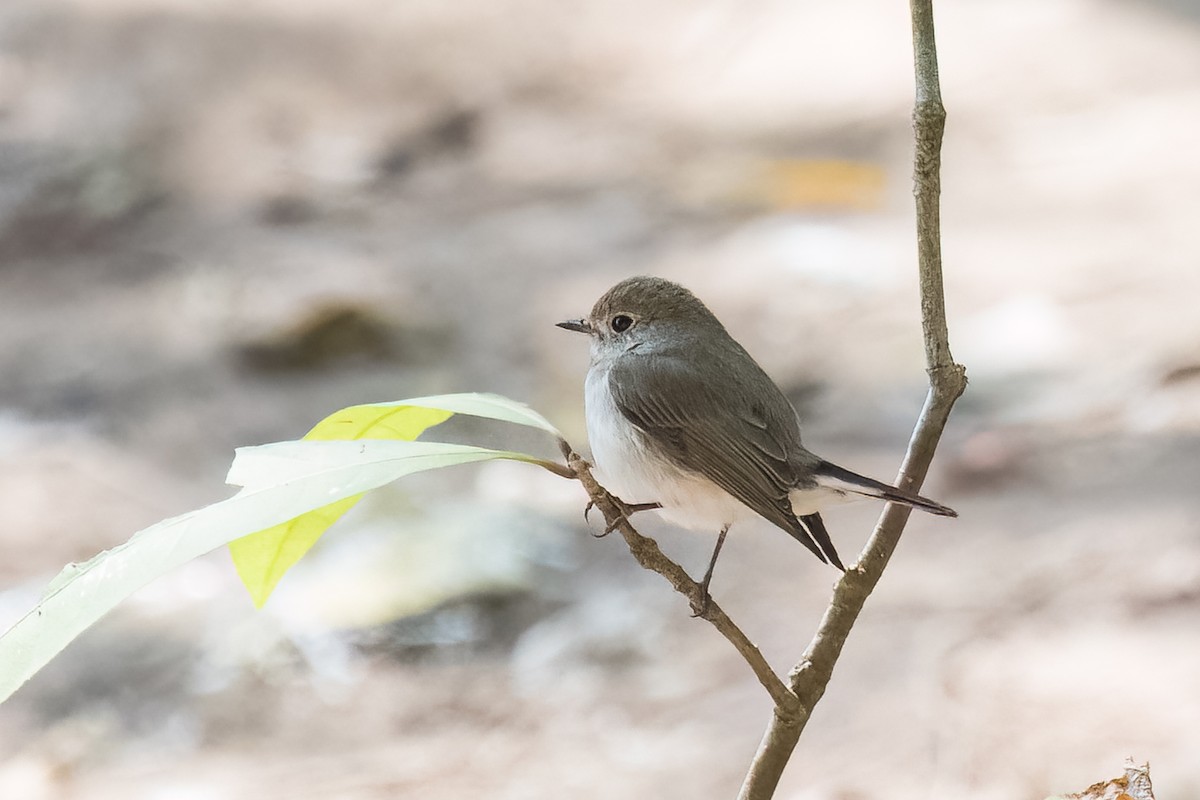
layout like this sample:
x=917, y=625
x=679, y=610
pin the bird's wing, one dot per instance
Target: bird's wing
x=724, y=433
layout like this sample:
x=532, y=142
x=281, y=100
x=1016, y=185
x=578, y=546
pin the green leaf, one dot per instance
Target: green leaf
x=262, y=558
x=320, y=473
x=292, y=492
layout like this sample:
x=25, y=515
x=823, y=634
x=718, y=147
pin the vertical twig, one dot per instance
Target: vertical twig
x=947, y=380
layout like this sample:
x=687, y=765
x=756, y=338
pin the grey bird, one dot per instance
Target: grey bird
x=682, y=419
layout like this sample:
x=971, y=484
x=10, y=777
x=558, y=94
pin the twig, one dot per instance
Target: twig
x=811, y=675
x=648, y=554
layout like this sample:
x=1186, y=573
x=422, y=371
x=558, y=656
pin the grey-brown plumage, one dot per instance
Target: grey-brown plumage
x=749, y=447
x=675, y=404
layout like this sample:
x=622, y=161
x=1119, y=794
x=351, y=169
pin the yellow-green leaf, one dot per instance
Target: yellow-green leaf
x=378, y=421
x=262, y=558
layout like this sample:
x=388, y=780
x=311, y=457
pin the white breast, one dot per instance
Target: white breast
x=634, y=473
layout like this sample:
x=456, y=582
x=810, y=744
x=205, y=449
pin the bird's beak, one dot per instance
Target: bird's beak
x=577, y=325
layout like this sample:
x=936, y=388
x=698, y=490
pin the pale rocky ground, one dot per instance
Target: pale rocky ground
x=221, y=221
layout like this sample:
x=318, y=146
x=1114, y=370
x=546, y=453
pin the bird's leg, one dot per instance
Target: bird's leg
x=624, y=511
x=698, y=610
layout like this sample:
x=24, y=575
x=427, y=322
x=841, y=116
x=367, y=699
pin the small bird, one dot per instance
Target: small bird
x=683, y=420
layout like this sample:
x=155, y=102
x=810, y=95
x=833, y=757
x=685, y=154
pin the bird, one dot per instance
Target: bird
x=681, y=419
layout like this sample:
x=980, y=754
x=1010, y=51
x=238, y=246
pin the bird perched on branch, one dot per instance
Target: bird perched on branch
x=680, y=418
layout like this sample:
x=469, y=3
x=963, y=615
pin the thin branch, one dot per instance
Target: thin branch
x=648, y=554
x=811, y=675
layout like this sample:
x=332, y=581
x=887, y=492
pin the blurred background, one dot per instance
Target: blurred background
x=220, y=221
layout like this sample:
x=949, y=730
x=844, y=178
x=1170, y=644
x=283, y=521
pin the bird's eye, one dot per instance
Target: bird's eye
x=620, y=323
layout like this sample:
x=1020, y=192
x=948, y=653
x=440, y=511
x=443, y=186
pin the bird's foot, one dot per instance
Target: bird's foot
x=627, y=510
x=624, y=511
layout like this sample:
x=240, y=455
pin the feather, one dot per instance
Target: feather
x=745, y=439
x=840, y=479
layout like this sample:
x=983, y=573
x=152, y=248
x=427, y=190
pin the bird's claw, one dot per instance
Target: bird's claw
x=624, y=511
x=622, y=516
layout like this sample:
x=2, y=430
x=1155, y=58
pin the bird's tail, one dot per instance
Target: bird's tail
x=838, y=479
